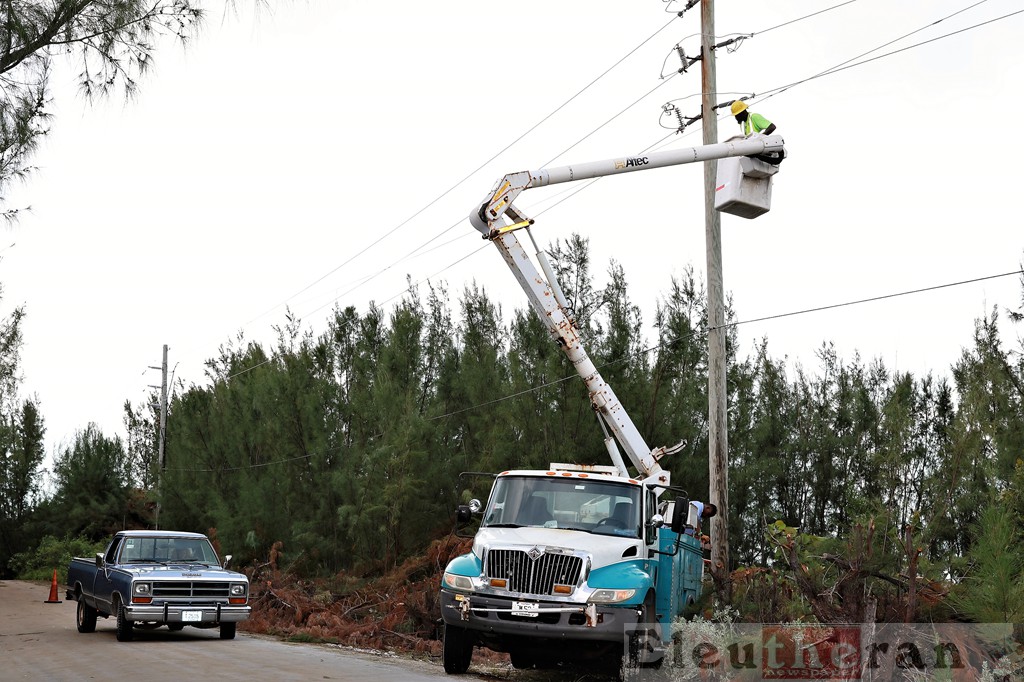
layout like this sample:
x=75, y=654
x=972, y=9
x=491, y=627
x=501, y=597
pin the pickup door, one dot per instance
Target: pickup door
x=106, y=580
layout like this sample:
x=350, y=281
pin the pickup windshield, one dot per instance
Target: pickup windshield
x=168, y=550
x=570, y=503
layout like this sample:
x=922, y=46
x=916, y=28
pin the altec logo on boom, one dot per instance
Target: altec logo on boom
x=635, y=162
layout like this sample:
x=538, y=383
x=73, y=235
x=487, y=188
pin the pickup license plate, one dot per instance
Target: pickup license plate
x=526, y=609
x=191, y=616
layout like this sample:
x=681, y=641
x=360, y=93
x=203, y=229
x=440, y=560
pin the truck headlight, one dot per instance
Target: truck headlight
x=238, y=593
x=142, y=593
x=457, y=582
x=611, y=596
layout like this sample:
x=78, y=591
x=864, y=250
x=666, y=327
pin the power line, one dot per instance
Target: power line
x=804, y=311
x=841, y=67
x=871, y=299
x=470, y=174
x=646, y=350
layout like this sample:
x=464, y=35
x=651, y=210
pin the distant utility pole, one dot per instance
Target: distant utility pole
x=163, y=433
x=718, y=441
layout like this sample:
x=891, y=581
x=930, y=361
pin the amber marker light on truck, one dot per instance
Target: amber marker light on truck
x=499, y=582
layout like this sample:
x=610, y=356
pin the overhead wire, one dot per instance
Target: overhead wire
x=831, y=70
x=419, y=248
x=649, y=349
x=842, y=66
x=793, y=313
x=468, y=176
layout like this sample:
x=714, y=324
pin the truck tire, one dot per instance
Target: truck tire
x=124, y=626
x=227, y=630
x=521, y=660
x=643, y=645
x=85, y=616
x=458, y=649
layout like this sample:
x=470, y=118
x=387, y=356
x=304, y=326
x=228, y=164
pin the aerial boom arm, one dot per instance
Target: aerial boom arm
x=509, y=187
x=498, y=220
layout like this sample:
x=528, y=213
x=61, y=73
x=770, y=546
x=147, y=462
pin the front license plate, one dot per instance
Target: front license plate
x=191, y=616
x=522, y=608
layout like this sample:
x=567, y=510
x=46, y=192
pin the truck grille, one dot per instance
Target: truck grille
x=533, y=576
x=191, y=590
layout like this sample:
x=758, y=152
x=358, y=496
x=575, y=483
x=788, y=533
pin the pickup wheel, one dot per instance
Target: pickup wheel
x=227, y=630
x=458, y=649
x=85, y=616
x=124, y=626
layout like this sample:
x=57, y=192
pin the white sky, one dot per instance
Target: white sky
x=279, y=146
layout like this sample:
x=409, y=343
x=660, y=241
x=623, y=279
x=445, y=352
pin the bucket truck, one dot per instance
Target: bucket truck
x=581, y=561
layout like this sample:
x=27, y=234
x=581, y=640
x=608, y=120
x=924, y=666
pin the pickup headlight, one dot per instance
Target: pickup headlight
x=142, y=593
x=238, y=593
x=611, y=596
x=457, y=582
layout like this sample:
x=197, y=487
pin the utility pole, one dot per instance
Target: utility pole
x=718, y=441
x=162, y=434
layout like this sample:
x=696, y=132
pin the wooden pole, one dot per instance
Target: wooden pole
x=718, y=441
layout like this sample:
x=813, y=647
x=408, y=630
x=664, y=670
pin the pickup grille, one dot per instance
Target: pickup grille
x=190, y=590
x=533, y=576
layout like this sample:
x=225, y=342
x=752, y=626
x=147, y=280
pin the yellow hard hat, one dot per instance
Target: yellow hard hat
x=738, y=106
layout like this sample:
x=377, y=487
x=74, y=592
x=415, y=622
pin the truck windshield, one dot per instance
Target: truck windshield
x=570, y=503
x=168, y=550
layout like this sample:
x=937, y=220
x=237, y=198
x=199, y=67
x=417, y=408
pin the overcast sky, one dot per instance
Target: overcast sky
x=255, y=168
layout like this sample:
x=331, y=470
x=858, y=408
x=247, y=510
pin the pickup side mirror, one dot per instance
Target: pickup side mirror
x=227, y=560
x=99, y=559
x=679, y=510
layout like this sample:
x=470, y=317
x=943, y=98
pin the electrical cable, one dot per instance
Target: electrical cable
x=464, y=179
x=804, y=311
x=843, y=66
x=549, y=384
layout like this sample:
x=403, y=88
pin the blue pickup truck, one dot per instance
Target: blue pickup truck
x=146, y=579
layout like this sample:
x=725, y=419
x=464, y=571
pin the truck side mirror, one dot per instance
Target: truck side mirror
x=99, y=559
x=227, y=560
x=679, y=509
x=464, y=512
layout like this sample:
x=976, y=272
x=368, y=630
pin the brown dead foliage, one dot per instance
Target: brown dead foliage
x=399, y=610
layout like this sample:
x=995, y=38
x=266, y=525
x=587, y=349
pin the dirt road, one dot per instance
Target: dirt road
x=39, y=641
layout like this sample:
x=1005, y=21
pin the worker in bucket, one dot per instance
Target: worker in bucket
x=756, y=124
x=752, y=123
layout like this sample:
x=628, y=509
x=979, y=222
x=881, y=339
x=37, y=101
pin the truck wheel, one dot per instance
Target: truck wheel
x=521, y=660
x=643, y=645
x=227, y=630
x=458, y=649
x=85, y=616
x=124, y=626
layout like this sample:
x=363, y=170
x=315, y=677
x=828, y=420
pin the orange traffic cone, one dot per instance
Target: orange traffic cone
x=53, y=590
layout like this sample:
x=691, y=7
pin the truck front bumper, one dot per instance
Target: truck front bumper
x=494, y=615
x=205, y=614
